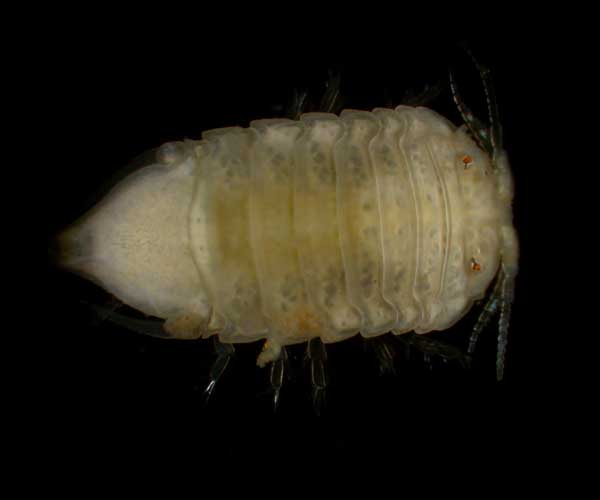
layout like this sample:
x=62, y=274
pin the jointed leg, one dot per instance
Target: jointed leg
x=501, y=299
x=317, y=357
x=385, y=353
x=425, y=97
x=224, y=353
x=478, y=130
x=331, y=102
x=433, y=347
x=487, y=313
x=495, y=134
x=278, y=369
x=506, y=300
x=488, y=137
x=298, y=104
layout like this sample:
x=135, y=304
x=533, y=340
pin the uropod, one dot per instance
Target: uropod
x=311, y=230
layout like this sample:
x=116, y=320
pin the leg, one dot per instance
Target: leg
x=385, y=353
x=495, y=135
x=427, y=359
x=278, y=369
x=151, y=327
x=331, y=102
x=317, y=357
x=102, y=313
x=506, y=300
x=298, y=104
x=501, y=298
x=487, y=313
x=432, y=347
x=488, y=137
x=424, y=98
x=224, y=353
x=478, y=130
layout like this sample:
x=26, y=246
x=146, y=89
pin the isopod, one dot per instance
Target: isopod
x=311, y=230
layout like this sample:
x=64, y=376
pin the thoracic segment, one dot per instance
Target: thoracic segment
x=331, y=225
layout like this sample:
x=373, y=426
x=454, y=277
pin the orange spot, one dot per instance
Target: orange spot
x=304, y=321
x=467, y=160
x=475, y=266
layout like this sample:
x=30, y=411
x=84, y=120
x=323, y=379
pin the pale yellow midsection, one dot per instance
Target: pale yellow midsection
x=333, y=225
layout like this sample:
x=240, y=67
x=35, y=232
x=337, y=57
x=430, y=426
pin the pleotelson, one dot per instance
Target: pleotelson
x=328, y=226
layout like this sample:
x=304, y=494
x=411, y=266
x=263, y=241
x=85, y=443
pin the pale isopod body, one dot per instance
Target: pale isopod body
x=390, y=220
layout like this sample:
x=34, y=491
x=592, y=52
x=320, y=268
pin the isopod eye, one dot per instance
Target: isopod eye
x=170, y=153
x=467, y=161
x=475, y=266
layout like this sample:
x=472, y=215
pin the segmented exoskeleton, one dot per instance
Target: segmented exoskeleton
x=312, y=230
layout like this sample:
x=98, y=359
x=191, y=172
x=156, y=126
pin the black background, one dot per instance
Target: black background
x=120, y=90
